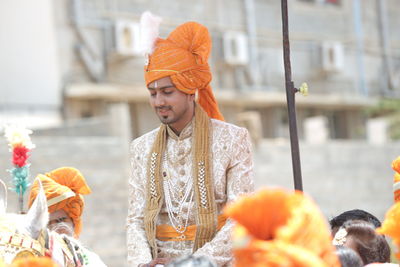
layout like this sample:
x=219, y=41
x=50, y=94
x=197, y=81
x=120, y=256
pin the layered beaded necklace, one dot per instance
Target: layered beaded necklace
x=202, y=185
x=176, y=197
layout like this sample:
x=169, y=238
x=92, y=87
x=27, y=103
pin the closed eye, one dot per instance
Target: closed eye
x=58, y=220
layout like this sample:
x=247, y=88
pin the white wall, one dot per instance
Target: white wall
x=29, y=70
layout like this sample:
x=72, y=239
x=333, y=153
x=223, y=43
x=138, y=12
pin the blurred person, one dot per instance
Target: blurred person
x=277, y=227
x=350, y=215
x=185, y=171
x=64, y=188
x=348, y=257
x=361, y=237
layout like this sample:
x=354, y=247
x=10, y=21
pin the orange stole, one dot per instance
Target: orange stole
x=165, y=232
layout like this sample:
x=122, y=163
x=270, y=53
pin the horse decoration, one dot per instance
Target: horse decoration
x=26, y=235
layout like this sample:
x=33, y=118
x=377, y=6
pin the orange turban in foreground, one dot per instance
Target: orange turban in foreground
x=34, y=262
x=64, y=188
x=391, y=226
x=280, y=228
x=396, y=182
x=183, y=56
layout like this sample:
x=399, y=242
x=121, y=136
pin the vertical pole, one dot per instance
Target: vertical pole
x=384, y=43
x=21, y=200
x=360, y=47
x=251, y=26
x=290, y=97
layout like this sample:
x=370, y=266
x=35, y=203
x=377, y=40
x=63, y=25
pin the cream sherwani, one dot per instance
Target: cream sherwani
x=232, y=172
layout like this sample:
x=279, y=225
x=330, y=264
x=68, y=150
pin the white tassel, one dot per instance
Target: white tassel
x=149, y=31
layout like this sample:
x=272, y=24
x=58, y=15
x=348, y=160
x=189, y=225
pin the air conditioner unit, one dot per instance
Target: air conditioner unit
x=235, y=48
x=127, y=38
x=332, y=56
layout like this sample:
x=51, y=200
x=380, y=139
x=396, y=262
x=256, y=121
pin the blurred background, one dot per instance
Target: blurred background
x=70, y=70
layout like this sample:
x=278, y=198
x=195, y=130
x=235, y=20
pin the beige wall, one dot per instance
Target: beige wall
x=29, y=74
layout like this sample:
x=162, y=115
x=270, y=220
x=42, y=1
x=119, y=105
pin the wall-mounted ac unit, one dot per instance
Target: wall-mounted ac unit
x=235, y=48
x=332, y=56
x=127, y=38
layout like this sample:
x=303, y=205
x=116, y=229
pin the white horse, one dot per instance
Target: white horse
x=23, y=235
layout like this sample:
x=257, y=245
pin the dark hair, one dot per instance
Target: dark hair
x=356, y=214
x=371, y=247
x=348, y=257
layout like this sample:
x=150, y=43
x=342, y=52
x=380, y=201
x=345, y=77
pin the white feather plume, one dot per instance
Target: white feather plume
x=149, y=31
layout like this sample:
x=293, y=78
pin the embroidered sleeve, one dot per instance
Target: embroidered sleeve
x=239, y=180
x=137, y=245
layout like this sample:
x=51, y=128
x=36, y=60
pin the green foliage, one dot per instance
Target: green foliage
x=394, y=127
x=385, y=107
x=389, y=108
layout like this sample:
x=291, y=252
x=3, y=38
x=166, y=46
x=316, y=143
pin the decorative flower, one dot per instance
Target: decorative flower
x=18, y=136
x=20, y=180
x=20, y=155
x=340, y=237
x=280, y=228
x=391, y=225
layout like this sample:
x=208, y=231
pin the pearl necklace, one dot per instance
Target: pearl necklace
x=175, y=199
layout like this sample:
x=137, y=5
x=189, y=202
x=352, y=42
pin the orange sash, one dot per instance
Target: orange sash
x=165, y=232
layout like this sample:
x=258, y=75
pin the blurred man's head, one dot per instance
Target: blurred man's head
x=64, y=188
x=348, y=257
x=362, y=238
x=60, y=222
x=351, y=215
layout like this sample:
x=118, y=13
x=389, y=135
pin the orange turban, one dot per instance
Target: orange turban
x=280, y=228
x=391, y=226
x=64, y=188
x=396, y=182
x=34, y=262
x=183, y=56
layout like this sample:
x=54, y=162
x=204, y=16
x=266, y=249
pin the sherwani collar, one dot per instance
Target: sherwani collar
x=186, y=132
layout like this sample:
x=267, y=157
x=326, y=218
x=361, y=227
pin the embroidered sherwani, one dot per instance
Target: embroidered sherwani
x=232, y=172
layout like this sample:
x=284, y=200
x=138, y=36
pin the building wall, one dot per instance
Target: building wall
x=50, y=62
x=311, y=24
x=29, y=67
